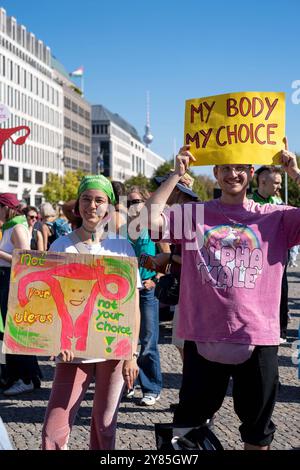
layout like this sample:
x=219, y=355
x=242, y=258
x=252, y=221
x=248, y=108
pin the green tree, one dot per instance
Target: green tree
x=60, y=188
x=71, y=183
x=164, y=168
x=139, y=180
x=53, y=190
x=203, y=186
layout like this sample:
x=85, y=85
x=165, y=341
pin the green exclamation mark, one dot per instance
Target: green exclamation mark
x=109, y=340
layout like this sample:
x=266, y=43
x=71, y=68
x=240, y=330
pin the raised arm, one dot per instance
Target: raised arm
x=289, y=163
x=155, y=205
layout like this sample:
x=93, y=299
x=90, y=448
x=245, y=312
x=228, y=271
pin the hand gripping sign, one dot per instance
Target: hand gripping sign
x=247, y=127
x=79, y=302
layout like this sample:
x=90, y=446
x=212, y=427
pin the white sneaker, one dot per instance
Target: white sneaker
x=292, y=264
x=282, y=341
x=129, y=393
x=19, y=387
x=149, y=399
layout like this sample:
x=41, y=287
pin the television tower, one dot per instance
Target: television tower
x=148, y=137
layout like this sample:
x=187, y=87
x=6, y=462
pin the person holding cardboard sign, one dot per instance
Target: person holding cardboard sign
x=244, y=127
x=232, y=264
x=21, y=373
x=73, y=375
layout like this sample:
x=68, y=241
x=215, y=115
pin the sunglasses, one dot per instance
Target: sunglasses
x=134, y=201
x=32, y=217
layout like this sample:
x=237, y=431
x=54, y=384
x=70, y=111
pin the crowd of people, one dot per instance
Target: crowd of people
x=230, y=258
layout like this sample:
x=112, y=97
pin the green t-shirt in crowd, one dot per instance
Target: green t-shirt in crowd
x=262, y=200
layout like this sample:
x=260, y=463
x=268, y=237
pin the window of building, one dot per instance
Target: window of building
x=74, y=126
x=26, y=176
x=67, y=123
x=68, y=162
x=3, y=66
x=67, y=103
x=37, y=201
x=13, y=173
x=74, y=107
x=67, y=142
x=18, y=74
x=132, y=162
x=1, y=172
x=38, y=177
x=74, y=145
x=74, y=163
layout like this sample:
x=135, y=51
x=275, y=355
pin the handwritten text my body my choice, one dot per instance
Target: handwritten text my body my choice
x=260, y=133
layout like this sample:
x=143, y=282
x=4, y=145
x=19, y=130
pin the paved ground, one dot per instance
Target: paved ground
x=23, y=415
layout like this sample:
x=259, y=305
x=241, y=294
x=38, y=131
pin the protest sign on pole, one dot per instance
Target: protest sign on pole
x=80, y=302
x=246, y=127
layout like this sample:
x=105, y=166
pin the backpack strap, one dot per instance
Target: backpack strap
x=169, y=265
x=79, y=245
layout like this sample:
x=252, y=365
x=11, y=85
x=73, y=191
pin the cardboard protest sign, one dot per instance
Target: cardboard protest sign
x=246, y=127
x=80, y=302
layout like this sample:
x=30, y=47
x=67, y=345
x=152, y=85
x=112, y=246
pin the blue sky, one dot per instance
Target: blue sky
x=175, y=49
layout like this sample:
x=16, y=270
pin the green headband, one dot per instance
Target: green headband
x=97, y=182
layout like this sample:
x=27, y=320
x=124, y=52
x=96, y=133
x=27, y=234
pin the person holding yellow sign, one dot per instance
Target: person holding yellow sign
x=233, y=256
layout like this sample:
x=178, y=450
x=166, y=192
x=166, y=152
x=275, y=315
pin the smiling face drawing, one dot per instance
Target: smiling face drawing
x=77, y=302
x=77, y=293
x=75, y=288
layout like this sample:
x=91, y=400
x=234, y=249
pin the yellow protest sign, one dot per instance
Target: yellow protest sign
x=245, y=127
x=83, y=303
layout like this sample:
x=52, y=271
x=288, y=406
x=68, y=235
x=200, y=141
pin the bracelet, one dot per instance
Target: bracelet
x=135, y=354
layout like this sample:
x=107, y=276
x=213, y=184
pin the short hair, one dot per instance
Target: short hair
x=269, y=169
x=27, y=209
x=47, y=210
x=141, y=190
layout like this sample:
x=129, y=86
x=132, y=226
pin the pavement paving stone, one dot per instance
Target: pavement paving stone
x=23, y=415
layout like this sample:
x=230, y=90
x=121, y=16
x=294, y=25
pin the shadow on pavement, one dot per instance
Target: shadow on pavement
x=288, y=394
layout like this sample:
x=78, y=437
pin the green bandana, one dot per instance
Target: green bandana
x=97, y=182
x=18, y=219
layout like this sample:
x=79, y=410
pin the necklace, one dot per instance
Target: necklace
x=232, y=221
x=92, y=232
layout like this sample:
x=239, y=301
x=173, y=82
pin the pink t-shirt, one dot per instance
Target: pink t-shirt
x=231, y=285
